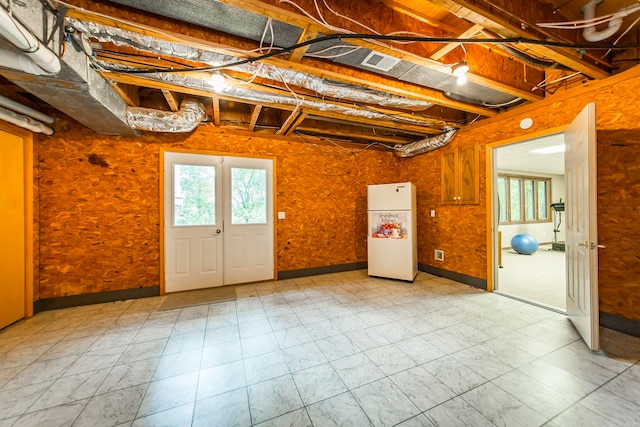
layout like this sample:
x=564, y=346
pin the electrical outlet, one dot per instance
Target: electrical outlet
x=438, y=255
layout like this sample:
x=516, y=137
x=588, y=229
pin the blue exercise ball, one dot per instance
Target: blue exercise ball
x=524, y=244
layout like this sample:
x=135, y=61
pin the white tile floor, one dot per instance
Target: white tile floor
x=334, y=350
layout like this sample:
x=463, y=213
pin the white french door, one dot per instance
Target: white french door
x=581, y=226
x=218, y=220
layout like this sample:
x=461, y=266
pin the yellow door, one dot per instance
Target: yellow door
x=12, y=229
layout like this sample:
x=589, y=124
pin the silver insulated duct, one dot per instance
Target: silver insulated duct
x=427, y=144
x=77, y=90
x=188, y=118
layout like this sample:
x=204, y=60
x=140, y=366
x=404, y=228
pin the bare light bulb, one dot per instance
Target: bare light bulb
x=462, y=79
x=460, y=69
x=218, y=82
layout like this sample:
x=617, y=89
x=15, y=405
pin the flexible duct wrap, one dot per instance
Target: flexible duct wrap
x=106, y=34
x=189, y=116
x=427, y=144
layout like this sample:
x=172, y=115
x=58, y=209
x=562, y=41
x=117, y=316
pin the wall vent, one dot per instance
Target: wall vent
x=380, y=61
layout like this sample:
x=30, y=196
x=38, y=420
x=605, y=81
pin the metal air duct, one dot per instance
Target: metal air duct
x=426, y=145
x=188, y=118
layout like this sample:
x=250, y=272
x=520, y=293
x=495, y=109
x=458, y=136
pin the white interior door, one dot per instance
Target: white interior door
x=248, y=207
x=193, y=221
x=581, y=226
x=218, y=221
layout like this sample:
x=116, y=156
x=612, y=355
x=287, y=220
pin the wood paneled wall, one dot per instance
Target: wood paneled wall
x=98, y=198
x=461, y=230
x=99, y=203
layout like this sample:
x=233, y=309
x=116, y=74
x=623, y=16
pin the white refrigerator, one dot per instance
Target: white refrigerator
x=392, y=247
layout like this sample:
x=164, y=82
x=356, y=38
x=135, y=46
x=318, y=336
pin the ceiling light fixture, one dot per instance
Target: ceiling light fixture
x=218, y=81
x=460, y=70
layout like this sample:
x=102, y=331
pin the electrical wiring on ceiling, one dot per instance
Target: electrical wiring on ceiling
x=516, y=41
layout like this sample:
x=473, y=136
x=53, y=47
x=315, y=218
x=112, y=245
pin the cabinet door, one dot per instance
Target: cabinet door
x=448, y=183
x=468, y=180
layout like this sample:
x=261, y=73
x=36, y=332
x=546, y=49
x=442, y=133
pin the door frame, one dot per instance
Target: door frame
x=492, y=201
x=161, y=191
x=27, y=138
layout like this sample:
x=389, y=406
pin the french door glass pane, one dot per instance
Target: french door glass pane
x=515, y=198
x=543, y=203
x=194, y=195
x=502, y=198
x=248, y=196
x=529, y=200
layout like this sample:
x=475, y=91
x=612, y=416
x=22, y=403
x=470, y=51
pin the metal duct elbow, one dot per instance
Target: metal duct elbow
x=427, y=144
x=189, y=116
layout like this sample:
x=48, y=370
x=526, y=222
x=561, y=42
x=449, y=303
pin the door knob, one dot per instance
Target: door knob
x=593, y=246
x=218, y=231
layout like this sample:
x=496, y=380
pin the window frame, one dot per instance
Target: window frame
x=523, y=205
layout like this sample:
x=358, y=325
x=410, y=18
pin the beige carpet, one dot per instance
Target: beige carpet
x=199, y=297
x=540, y=277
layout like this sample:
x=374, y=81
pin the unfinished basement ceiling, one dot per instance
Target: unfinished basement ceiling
x=152, y=54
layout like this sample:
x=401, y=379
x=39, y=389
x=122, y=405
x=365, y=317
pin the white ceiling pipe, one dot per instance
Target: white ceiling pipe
x=19, y=108
x=590, y=33
x=22, y=39
x=20, y=61
x=25, y=122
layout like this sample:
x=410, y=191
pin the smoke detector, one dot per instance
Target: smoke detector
x=379, y=61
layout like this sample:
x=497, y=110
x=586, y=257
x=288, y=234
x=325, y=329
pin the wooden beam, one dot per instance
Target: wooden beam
x=297, y=54
x=489, y=16
x=216, y=110
x=297, y=122
x=255, y=113
x=171, y=100
x=295, y=118
x=344, y=133
x=129, y=94
x=319, y=68
x=268, y=10
x=400, y=7
x=139, y=80
x=468, y=33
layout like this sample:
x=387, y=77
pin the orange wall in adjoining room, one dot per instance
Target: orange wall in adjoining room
x=461, y=230
x=98, y=200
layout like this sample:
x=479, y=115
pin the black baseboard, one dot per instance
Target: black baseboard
x=458, y=277
x=96, y=298
x=620, y=324
x=292, y=274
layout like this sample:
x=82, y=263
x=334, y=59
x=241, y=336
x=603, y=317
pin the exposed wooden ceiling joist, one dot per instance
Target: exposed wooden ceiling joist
x=255, y=114
x=312, y=67
x=171, y=100
x=268, y=10
x=138, y=80
x=489, y=16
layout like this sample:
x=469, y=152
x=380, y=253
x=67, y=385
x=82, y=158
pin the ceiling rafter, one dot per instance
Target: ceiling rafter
x=255, y=114
x=268, y=10
x=312, y=67
x=171, y=100
x=488, y=16
x=138, y=80
x=471, y=31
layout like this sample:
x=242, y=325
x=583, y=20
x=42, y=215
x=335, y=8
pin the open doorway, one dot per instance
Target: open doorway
x=530, y=184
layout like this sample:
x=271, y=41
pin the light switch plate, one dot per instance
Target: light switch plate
x=281, y=215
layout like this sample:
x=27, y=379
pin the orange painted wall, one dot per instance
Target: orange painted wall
x=461, y=230
x=99, y=229
x=98, y=199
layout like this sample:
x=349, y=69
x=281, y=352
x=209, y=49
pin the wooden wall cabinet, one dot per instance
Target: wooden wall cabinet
x=460, y=181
